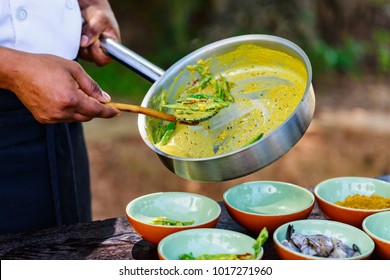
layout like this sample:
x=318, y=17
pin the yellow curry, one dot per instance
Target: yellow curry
x=267, y=86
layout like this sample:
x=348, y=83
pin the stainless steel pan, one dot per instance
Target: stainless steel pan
x=242, y=161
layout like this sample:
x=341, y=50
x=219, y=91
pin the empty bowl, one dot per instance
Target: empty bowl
x=269, y=204
x=189, y=210
x=377, y=226
x=333, y=190
x=345, y=233
x=211, y=241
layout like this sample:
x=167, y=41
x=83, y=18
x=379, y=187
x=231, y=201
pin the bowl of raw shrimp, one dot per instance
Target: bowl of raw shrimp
x=320, y=240
x=351, y=199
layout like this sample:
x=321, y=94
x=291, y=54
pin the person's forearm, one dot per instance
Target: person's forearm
x=52, y=88
x=85, y=3
x=11, y=61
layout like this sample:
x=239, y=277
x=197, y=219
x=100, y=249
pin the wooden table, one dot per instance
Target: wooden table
x=112, y=239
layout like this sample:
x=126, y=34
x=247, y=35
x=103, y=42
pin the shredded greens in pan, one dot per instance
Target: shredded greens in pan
x=261, y=239
x=198, y=107
x=260, y=91
x=203, y=98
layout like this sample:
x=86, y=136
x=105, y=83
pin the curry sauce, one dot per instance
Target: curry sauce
x=268, y=85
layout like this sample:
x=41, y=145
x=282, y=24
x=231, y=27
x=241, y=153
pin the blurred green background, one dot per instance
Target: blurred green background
x=349, y=37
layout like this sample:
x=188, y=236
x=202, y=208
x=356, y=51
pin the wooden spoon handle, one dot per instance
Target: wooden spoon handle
x=142, y=110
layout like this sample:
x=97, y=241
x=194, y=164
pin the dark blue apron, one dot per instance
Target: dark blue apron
x=44, y=172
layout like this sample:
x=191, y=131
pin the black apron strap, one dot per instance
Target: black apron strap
x=69, y=165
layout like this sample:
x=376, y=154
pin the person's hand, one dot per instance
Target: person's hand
x=99, y=19
x=54, y=89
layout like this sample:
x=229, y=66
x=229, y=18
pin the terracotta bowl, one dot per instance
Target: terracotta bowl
x=348, y=234
x=269, y=204
x=205, y=241
x=178, y=206
x=377, y=226
x=337, y=189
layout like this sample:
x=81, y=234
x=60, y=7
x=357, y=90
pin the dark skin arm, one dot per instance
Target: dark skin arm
x=58, y=90
x=98, y=19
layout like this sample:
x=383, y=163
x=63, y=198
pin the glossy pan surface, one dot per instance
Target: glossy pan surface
x=243, y=160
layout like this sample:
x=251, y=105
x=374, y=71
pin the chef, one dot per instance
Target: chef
x=44, y=95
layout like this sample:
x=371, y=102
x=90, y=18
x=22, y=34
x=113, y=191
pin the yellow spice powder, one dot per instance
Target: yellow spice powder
x=359, y=201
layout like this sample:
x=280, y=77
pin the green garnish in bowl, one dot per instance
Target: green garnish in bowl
x=163, y=221
x=261, y=239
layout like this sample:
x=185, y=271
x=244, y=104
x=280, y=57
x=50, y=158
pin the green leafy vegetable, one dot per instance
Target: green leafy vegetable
x=256, y=138
x=260, y=241
x=204, y=96
x=166, y=132
x=197, y=107
x=163, y=221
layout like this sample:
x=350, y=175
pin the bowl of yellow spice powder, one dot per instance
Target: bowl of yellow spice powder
x=351, y=199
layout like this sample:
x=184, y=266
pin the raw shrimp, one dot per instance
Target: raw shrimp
x=318, y=245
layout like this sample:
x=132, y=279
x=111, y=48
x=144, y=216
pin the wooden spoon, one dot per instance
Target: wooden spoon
x=146, y=111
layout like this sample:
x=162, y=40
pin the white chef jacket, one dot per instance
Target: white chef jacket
x=41, y=26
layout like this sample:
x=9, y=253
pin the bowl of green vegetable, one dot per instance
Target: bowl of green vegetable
x=156, y=215
x=211, y=244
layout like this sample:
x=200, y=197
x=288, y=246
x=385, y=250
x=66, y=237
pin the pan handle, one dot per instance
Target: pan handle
x=131, y=59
